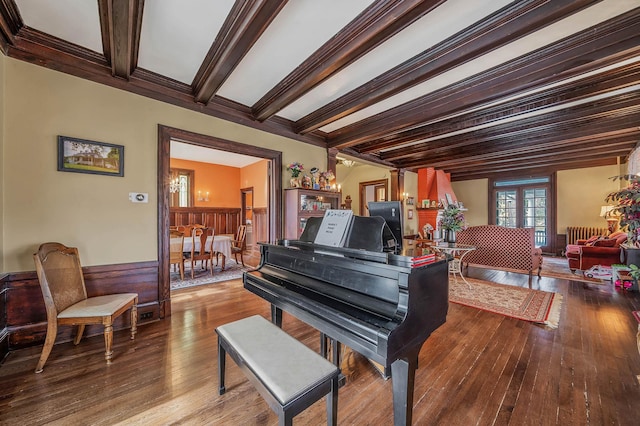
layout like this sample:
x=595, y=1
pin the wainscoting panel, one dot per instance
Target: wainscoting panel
x=26, y=318
x=223, y=220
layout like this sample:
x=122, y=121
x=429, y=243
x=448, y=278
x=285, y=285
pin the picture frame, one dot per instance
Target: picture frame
x=426, y=203
x=86, y=156
x=410, y=201
x=449, y=199
x=409, y=213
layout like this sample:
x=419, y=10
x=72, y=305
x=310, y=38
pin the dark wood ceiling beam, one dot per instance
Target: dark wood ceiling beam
x=41, y=49
x=495, y=151
x=247, y=20
x=376, y=24
x=600, y=84
x=502, y=27
x=120, y=25
x=621, y=111
x=558, y=163
x=10, y=23
x=608, y=43
x=536, y=163
x=536, y=171
x=612, y=148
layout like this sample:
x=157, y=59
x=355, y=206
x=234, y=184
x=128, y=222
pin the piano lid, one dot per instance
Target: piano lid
x=366, y=233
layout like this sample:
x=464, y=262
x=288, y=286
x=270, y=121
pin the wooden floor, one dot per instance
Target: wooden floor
x=478, y=368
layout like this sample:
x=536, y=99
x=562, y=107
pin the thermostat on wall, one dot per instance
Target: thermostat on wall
x=139, y=197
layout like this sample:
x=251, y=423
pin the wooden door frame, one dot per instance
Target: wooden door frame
x=362, y=187
x=274, y=194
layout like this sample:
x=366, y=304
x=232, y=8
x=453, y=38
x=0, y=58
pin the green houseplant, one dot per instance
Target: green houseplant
x=627, y=205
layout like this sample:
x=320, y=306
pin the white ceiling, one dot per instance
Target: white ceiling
x=176, y=36
x=185, y=151
x=473, y=87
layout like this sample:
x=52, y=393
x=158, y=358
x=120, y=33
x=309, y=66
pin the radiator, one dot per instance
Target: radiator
x=575, y=233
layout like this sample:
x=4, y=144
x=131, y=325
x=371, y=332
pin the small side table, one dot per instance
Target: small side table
x=458, y=252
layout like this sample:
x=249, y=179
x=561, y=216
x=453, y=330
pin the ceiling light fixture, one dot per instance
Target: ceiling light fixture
x=348, y=163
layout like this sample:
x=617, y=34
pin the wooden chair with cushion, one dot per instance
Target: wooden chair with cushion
x=176, y=251
x=200, y=235
x=66, y=302
x=238, y=245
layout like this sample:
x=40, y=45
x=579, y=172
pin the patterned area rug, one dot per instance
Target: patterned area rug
x=232, y=271
x=558, y=267
x=516, y=302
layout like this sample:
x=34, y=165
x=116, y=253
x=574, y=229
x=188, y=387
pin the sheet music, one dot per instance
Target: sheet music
x=334, y=228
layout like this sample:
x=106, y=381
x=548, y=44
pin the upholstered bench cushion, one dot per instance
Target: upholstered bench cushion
x=254, y=339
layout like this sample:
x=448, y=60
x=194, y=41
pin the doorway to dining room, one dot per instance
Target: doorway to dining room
x=267, y=194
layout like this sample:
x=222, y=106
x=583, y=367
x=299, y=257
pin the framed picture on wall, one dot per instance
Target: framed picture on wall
x=410, y=213
x=85, y=156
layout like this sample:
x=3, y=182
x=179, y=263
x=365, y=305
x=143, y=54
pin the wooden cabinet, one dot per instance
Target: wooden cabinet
x=301, y=204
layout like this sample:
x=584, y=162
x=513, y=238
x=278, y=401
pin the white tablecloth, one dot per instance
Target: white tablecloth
x=221, y=244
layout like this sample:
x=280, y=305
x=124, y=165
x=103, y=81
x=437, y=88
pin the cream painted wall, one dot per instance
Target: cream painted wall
x=93, y=212
x=581, y=193
x=474, y=196
x=350, y=178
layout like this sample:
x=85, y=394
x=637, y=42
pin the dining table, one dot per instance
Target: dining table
x=218, y=244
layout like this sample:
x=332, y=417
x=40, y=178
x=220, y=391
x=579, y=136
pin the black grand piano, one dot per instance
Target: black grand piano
x=379, y=302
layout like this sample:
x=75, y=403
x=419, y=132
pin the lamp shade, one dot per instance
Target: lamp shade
x=606, y=211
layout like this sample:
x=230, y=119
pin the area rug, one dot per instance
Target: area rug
x=521, y=303
x=558, y=267
x=231, y=271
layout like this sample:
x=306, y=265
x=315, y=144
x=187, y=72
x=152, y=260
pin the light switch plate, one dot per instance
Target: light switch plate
x=139, y=197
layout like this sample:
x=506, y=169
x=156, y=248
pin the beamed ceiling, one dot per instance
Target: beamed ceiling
x=476, y=88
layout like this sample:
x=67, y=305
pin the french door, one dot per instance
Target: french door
x=526, y=203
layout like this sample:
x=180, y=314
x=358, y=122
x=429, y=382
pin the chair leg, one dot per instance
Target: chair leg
x=241, y=259
x=134, y=319
x=52, y=331
x=79, y=334
x=193, y=266
x=181, y=266
x=108, y=342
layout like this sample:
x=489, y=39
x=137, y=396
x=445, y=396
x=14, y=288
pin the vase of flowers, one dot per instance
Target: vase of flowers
x=295, y=168
x=451, y=222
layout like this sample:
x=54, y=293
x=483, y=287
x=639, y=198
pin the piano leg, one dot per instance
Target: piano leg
x=276, y=315
x=403, y=373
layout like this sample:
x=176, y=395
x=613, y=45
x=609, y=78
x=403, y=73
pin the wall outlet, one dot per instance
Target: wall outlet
x=138, y=197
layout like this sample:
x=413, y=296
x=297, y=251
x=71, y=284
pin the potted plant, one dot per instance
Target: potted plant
x=451, y=222
x=295, y=168
x=627, y=205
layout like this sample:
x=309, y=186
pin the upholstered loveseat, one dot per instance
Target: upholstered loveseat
x=604, y=251
x=502, y=248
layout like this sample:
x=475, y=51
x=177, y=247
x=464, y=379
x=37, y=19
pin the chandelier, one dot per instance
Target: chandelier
x=347, y=163
x=174, y=185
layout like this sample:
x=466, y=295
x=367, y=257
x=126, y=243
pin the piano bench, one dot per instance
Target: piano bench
x=289, y=376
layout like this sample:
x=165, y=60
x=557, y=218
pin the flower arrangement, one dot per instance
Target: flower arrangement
x=295, y=168
x=328, y=175
x=628, y=207
x=452, y=219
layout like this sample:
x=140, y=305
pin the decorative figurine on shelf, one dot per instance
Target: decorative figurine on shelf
x=315, y=175
x=295, y=168
x=427, y=231
x=347, y=202
x=306, y=182
x=328, y=177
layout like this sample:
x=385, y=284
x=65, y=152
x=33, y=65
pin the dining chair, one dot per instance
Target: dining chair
x=66, y=302
x=238, y=244
x=199, y=251
x=176, y=251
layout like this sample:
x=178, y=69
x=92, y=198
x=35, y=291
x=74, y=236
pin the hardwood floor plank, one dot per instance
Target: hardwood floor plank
x=478, y=368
